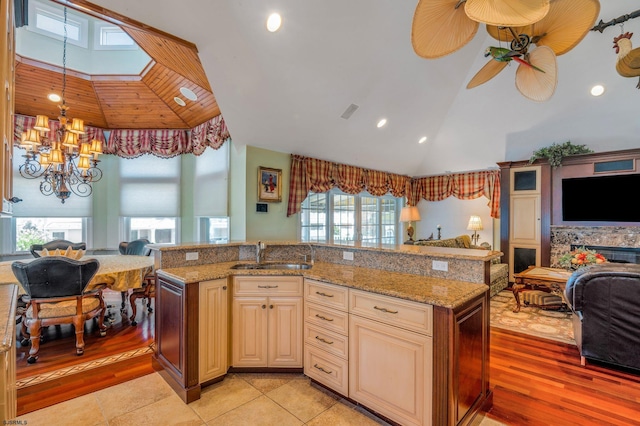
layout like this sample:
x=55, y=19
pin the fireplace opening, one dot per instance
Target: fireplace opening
x=615, y=254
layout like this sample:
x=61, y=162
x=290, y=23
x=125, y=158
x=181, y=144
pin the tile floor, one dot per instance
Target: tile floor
x=240, y=399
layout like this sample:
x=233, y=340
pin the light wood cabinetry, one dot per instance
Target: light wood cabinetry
x=213, y=329
x=326, y=335
x=391, y=356
x=267, y=322
x=7, y=73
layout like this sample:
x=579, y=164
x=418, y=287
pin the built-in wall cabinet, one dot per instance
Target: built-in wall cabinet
x=7, y=73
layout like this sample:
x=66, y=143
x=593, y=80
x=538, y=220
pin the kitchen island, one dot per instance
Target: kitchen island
x=441, y=347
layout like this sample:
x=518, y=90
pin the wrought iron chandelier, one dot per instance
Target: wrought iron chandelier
x=63, y=161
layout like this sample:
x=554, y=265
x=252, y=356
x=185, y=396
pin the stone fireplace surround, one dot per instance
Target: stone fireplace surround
x=562, y=237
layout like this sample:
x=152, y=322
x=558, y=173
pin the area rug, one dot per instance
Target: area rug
x=78, y=368
x=547, y=324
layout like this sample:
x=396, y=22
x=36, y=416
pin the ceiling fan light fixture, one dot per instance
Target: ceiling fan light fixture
x=507, y=13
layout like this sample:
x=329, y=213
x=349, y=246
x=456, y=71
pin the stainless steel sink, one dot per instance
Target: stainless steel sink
x=271, y=266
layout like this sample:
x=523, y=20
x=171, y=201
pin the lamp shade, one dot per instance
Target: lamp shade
x=42, y=123
x=77, y=126
x=409, y=214
x=475, y=223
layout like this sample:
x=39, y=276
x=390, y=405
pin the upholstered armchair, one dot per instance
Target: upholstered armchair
x=148, y=289
x=56, y=293
x=605, y=300
x=35, y=249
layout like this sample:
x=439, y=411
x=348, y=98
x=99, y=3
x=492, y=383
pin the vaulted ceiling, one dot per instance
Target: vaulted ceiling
x=286, y=91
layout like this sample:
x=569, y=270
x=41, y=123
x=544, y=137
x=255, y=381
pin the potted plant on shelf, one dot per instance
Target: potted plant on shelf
x=556, y=152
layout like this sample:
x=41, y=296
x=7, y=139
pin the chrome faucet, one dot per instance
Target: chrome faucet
x=313, y=254
x=260, y=248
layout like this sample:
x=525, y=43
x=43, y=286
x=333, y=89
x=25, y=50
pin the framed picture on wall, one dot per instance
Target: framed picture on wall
x=269, y=184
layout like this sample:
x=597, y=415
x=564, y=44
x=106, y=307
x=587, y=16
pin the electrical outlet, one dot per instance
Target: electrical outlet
x=347, y=255
x=192, y=256
x=440, y=265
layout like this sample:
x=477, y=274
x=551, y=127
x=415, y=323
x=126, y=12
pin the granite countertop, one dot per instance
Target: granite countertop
x=442, y=252
x=8, y=293
x=433, y=291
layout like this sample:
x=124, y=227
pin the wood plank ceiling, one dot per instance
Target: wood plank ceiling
x=144, y=101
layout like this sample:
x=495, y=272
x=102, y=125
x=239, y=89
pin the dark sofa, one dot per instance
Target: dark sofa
x=605, y=300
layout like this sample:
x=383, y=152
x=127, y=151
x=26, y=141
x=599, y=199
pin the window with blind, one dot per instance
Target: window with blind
x=338, y=218
x=40, y=218
x=150, y=198
x=210, y=195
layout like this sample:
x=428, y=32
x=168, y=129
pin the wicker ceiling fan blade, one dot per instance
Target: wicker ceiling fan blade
x=486, y=73
x=507, y=13
x=536, y=85
x=566, y=24
x=439, y=28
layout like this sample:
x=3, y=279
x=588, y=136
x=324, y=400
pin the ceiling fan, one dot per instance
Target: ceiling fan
x=529, y=32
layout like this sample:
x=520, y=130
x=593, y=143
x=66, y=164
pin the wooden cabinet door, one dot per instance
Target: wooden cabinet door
x=213, y=329
x=249, y=332
x=285, y=332
x=390, y=370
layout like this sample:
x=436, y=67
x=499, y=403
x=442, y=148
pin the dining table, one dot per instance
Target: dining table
x=118, y=272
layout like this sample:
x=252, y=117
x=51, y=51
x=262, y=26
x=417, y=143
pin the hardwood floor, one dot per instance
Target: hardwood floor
x=58, y=352
x=534, y=381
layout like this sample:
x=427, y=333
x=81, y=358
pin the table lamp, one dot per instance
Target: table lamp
x=409, y=214
x=475, y=225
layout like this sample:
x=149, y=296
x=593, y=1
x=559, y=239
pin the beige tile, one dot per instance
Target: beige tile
x=168, y=411
x=343, y=415
x=132, y=395
x=301, y=399
x=224, y=396
x=266, y=382
x=83, y=410
x=260, y=411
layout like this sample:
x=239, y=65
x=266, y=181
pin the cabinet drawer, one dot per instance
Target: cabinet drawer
x=399, y=313
x=329, y=341
x=327, y=318
x=327, y=369
x=264, y=286
x=326, y=294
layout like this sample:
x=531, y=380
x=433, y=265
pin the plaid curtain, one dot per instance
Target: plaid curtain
x=130, y=143
x=349, y=179
x=465, y=186
x=313, y=175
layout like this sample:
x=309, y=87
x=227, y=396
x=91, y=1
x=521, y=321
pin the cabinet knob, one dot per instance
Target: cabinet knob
x=270, y=306
x=264, y=306
x=224, y=287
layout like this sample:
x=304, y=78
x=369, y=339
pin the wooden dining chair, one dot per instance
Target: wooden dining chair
x=56, y=293
x=35, y=249
x=148, y=289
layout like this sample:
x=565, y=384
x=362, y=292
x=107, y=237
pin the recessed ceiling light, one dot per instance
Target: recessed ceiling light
x=179, y=101
x=188, y=93
x=422, y=139
x=53, y=97
x=597, y=90
x=382, y=122
x=274, y=22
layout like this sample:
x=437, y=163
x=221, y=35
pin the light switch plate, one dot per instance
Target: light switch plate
x=440, y=265
x=192, y=256
x=347, y=255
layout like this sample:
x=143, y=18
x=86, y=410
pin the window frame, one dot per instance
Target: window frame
x=85, y=230
x=330, y=222
x=125, y=228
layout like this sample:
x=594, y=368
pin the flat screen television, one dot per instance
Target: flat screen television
x=601, y=199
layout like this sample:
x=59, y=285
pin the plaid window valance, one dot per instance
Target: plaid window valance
x=314, y=175
x=131, y=143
